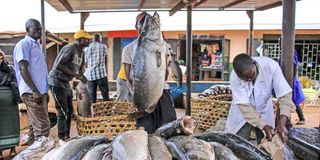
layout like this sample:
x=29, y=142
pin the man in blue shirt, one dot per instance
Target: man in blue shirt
x=31, y=73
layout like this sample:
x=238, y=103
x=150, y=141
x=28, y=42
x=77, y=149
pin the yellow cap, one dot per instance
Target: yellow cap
x=82, y=34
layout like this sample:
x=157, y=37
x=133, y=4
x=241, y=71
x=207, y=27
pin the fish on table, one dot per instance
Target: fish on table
x=190, y=148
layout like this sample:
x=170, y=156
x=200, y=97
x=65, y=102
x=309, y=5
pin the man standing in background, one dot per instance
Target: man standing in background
x=32, y=77
x=96, y=73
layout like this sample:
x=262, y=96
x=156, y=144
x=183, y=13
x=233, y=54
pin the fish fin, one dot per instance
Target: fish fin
x=156, y=15
x=158, y=56
x=135, y=115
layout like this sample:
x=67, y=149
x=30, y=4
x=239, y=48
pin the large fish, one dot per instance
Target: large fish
x=158, y=149
x=222, y=152
x=174, y=66
x=84, y=100
x=131, y=145
x=77, y=148
x=149, y=65
x=183, y=126
x=277, y=149
x=239, y=146
x=190, y=148
x=51, y=152
x=37, y=150
x=98, y=152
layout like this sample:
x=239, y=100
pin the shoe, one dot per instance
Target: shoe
x=300, y=122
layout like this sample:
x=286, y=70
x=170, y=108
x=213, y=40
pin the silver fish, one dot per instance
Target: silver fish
x=37, y=150
x=222, y=152
x=97, y=152
x=131, y=145
x=174, y=66
x=190, y=148
x=84, y=100
x=149, y=65
x=158, y=149
x=77, y=148
x=51, y=152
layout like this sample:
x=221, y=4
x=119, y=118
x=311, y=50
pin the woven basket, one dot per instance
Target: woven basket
x=109, y=119
x=209, y=110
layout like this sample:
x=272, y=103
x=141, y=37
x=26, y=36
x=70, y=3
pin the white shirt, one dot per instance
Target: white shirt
x=259, y=95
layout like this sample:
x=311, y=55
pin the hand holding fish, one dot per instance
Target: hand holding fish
x=281, y=129
x=269, y=132
x=82, y=78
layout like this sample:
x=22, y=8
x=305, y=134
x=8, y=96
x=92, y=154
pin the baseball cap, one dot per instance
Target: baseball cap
x=82, y=34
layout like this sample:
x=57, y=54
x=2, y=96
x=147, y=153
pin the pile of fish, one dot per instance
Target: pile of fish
x=215, y=90
x=174, y=140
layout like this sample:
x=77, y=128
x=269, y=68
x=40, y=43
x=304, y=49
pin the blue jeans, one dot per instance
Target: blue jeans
x=103, y=86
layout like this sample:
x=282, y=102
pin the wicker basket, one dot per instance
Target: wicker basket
x=209, y=110
x=109, y=119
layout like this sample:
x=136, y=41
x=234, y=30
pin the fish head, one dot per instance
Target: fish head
x=151, y=27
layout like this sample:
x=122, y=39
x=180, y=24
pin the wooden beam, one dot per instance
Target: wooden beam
x=181, y=4
x=66, y=5
x=83, y=18
x=197, y=4
x=43, y=36
x=250, y=15
x=141, y=5
x=231, y=4
x=50, y=45
x=189, y=59
x=288, y=39
x=272, y=5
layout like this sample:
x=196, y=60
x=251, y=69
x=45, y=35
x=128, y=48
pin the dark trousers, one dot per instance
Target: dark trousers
x=245, y=132
x=300, y=113
x=103, y=86
x=63, y=100
x=162, y=114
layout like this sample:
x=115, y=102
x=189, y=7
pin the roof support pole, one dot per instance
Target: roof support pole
x=189, y=58
x=83, y=18
x=250, y=48
x=43, y=37
x=288, y=39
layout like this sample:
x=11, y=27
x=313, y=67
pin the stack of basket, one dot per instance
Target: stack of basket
x=109, y=118
x=208, y=110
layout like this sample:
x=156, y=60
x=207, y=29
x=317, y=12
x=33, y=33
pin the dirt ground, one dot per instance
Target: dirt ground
x=312, y=116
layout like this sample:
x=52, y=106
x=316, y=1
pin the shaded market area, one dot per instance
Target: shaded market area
x=189, y=94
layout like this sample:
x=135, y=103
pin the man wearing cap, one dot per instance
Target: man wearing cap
x=68, y=65
x=32, y=77
x=164, y=111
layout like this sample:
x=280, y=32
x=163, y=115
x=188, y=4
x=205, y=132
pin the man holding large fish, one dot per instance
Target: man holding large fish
x=145, y=66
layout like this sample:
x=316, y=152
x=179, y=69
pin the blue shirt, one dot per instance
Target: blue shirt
x=29, y=49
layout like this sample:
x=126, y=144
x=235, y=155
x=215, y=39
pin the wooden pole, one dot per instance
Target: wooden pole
x=189, y=59
x=250, y=48
x=288, y=39
x=83, y=18
x=44, y=36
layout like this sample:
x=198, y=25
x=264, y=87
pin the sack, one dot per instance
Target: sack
x=7, y=78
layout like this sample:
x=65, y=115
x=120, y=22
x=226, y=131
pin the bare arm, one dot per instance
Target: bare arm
x=66, y=70
x=23, y=67
x=127, y=69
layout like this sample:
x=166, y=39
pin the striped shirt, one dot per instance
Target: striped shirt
x=95, y=58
